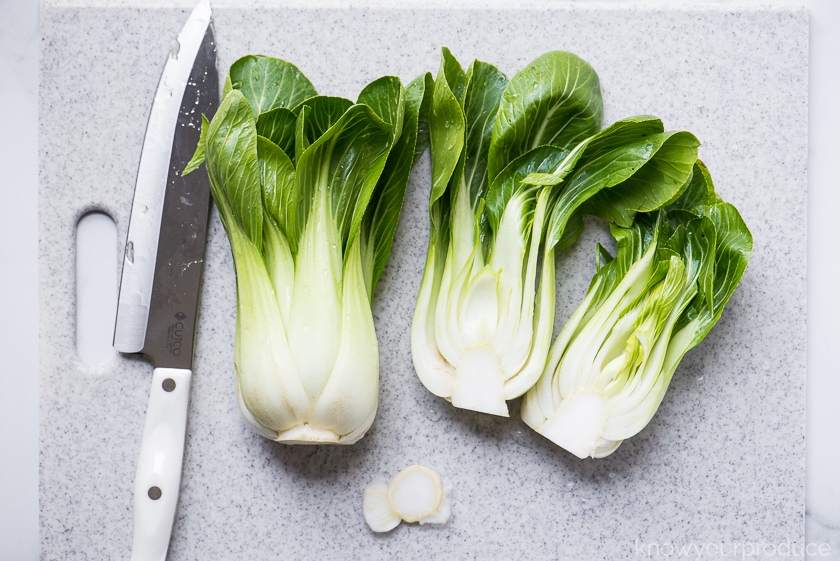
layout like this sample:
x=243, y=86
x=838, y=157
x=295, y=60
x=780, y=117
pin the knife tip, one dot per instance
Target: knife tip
x=202, y=12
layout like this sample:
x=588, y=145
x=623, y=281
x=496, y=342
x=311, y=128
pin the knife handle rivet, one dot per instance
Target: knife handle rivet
x=168, y=385
x=154, y=493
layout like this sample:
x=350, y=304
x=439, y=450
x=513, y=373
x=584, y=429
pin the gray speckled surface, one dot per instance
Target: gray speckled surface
x=723, y=460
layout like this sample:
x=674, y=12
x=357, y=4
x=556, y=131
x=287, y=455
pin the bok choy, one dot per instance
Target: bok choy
x=514, y=165
x=610, y=366
x=309, y=189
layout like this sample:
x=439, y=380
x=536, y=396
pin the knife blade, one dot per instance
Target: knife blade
x=162, y=267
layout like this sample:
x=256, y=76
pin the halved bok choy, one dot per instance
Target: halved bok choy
x=609, y=368
x=513, y=165
x=309, y=189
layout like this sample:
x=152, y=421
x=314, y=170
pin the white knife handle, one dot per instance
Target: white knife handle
x=158, y=478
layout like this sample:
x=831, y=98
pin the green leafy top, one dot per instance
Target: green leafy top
x=275, y=148
x=269, y=83
x=500, y=139
x=707, y=235
x=554, y=101
x=380, y=219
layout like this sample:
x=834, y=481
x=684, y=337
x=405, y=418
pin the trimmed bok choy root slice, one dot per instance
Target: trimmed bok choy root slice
x=309, y=189
x=416, y=494
x=513, y=167
x=611, y=364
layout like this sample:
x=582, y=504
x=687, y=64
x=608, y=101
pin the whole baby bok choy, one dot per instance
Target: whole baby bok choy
x=309, y=189
x=512, y=164
x=610, y=366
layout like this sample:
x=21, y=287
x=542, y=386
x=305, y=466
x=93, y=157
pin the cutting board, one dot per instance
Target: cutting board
x=720, y=465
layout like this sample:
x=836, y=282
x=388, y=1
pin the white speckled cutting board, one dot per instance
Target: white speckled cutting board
x=721, y=463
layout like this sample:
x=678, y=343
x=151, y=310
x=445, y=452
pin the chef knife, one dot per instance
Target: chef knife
x=161, y=277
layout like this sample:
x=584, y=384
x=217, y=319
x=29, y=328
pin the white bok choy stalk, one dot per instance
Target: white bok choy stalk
x=309, y=189
x=513, y=163
x=610, y=366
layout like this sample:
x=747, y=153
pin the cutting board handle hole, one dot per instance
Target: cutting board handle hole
x=96, y=287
